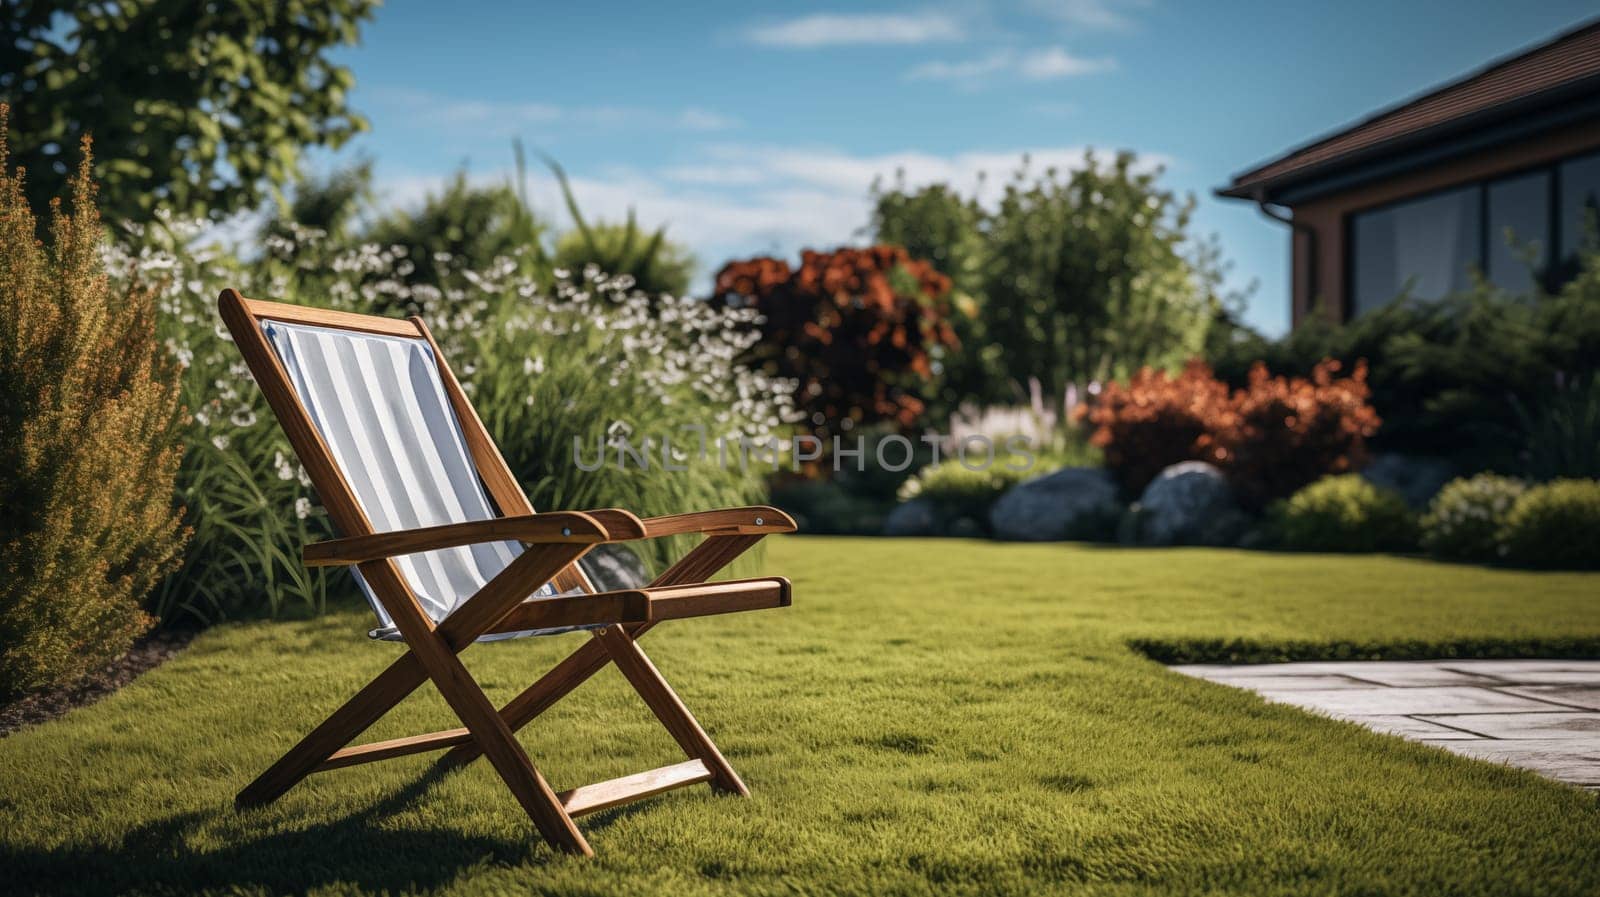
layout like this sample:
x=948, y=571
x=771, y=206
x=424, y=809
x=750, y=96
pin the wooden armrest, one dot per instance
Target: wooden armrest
x=753, y=520
x=556, y=526
x=647, y=605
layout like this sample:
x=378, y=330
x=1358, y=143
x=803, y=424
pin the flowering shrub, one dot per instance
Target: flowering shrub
x=1289, y=431
x=1464, y=520
x=1344, y=513
x=89, y=445
x=1157, y=420
x=1556, y=525
x=1272, y=437
x=857, y=330
x=588, y=359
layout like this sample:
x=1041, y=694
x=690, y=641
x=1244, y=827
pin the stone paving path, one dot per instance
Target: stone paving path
x=1542, y=715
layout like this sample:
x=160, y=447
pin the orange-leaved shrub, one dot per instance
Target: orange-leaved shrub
x=1156, y=420
x=855, y=328
x=89, y=445
x=1271, y=437
x=1290, y=432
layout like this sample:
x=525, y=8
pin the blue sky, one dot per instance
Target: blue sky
x=756, y=127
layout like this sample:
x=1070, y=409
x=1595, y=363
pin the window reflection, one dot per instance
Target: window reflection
x=1519, y=226
x=1580, y=208
x=1425, y=247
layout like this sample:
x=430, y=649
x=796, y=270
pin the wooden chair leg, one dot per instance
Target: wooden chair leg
x=664, y=702
x=400, y=679
x=700, y=563
x=567, y=675
x=497, y=742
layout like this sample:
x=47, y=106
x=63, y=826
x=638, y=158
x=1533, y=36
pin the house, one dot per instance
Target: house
x=1496, y=173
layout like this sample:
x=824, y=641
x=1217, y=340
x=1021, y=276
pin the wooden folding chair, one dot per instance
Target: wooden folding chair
x=449, y=551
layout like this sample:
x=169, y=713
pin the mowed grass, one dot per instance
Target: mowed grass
x=930, y=717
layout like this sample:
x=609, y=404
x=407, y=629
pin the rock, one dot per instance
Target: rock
x=613, y=567
x=1418, y=478
x=1186, y=504
x=917, y=517
x=1072, y=503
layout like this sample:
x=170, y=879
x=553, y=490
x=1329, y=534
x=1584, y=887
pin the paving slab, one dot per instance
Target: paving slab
x=1408, y=677
x=1542, y=715
x=1309, y=667
x=1553, y=757
x=1584, y=696
x=1517, y=669
x=1288, y=682
x=1389, y=701
x=1579, y=728
x=1412, y=728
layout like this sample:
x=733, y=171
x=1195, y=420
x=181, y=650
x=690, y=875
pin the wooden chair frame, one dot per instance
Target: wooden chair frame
x=554, y=542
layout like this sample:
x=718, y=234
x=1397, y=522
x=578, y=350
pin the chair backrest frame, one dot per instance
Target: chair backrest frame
x=244, y=317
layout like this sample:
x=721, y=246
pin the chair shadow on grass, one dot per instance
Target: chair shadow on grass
x=355, y=849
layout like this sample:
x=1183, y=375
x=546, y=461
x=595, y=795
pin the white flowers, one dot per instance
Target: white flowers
x=302, y=507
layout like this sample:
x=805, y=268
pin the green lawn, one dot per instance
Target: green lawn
x=930, y=716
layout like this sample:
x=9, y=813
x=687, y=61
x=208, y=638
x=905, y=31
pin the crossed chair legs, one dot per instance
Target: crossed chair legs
x=490, y=732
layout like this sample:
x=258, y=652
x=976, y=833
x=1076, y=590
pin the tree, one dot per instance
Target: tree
x=937, y=224
x=199, y=108
x=1094, y=275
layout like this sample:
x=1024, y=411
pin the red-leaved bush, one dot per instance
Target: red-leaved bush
x=854, y=328
x=1290, y=432
x=1271, y=438
x=1157, y=420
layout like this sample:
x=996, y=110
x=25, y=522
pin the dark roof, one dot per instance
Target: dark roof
x=1547, y=72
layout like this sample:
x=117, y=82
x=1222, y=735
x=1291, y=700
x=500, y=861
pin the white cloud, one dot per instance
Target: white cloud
x=1103, y=15
x=747, y=199
x=969, y=70
x=697, y=119
x=834, y=29
x=508, y=118
x=1054, y=62
x=1044, y=64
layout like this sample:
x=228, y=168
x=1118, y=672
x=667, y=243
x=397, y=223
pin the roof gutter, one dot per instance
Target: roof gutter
x=1259, y=196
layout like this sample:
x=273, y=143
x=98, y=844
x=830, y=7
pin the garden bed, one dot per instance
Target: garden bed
x=145, y=655
x=959, y=717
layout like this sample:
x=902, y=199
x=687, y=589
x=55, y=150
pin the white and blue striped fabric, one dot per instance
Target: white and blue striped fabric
x=380, y=405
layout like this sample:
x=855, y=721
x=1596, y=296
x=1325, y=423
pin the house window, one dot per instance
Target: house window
x=1580, y=211
x=1423, y=247
x=1524, y=232
x=1518, y=238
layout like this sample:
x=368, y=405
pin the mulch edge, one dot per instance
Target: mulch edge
x=146, y=654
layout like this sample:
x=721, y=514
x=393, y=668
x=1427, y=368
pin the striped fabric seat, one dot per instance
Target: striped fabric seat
x=380, y=405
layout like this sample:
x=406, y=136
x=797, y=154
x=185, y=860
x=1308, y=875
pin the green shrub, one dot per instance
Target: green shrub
x=830, y=507
x=1464, y=520
x=1555, y=525
x=1561, y=431
x=1344, y=513
x=89, y=444
x=1441, y=372
x=568, y=378
x=656, y=264
x=963, y=492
